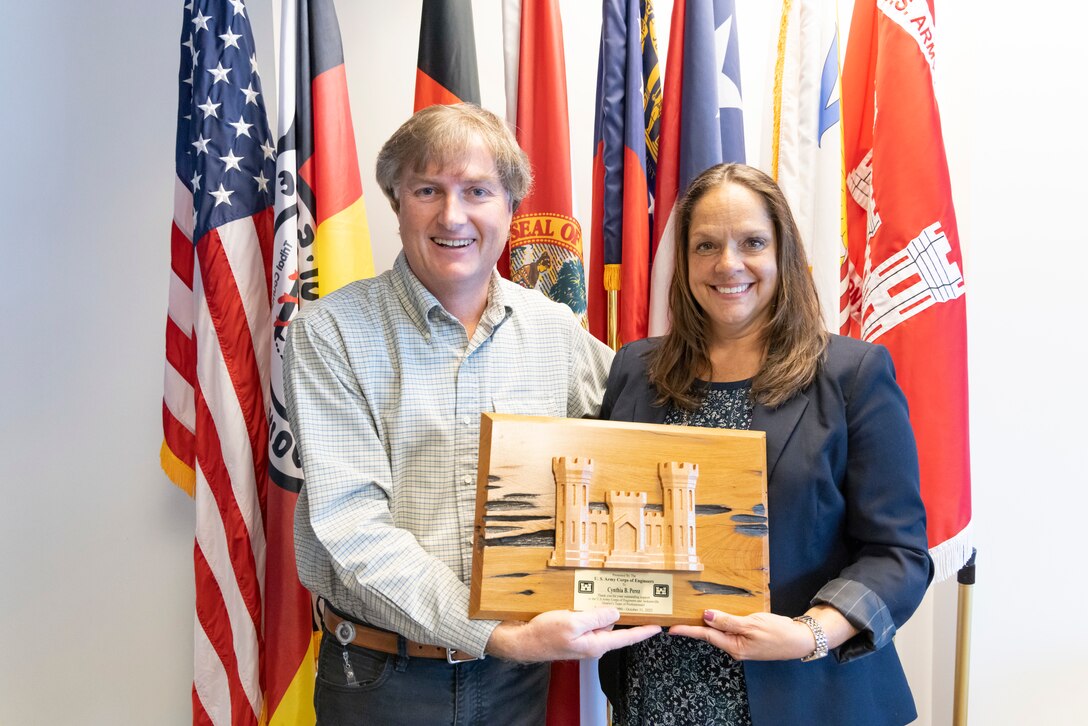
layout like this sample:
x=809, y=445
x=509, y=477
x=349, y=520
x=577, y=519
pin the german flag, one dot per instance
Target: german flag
x=322, y=243
x=446, y=70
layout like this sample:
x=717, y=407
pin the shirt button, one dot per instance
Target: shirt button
x=467, y=420
x=468, y=479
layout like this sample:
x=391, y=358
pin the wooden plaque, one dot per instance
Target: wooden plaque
x=661, y=522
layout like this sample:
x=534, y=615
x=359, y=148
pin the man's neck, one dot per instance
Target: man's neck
x=467, y=307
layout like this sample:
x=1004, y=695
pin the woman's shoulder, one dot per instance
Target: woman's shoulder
x=858, y=368
x=634, y=355
x=845, y=352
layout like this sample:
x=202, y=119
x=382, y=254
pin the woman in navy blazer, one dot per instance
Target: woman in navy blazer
x=848, y=554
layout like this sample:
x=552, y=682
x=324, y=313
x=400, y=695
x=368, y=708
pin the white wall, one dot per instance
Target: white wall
x=96, y=602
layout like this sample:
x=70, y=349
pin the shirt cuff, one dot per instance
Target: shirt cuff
x=476, y=638
x=863, y=609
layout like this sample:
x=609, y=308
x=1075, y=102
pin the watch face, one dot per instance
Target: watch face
x=345, y=632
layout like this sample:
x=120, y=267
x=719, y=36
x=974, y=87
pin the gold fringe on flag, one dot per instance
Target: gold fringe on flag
x=177, y=471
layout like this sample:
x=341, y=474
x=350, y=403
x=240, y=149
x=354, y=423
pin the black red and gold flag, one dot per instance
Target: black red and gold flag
x=446, y=70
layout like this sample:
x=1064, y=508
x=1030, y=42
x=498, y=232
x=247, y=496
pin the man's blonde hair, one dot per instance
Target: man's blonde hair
x=440, y=136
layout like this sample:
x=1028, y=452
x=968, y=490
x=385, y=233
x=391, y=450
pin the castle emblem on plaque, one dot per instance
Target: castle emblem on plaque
x=624, y=532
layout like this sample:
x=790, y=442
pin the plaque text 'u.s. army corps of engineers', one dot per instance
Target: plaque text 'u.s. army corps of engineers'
x=642, y=593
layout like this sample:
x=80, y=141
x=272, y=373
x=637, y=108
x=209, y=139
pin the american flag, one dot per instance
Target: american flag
x=217, y=332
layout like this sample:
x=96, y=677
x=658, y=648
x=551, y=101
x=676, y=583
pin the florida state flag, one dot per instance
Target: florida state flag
x=545, y=237
x=904, y=283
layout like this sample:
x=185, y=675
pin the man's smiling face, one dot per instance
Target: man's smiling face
x=454, y=222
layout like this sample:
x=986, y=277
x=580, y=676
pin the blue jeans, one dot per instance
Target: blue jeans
x=392, y=689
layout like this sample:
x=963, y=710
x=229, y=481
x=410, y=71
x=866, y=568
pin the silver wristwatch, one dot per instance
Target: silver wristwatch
x=817, y=633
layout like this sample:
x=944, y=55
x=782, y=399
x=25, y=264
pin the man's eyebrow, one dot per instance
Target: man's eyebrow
x=419, y=178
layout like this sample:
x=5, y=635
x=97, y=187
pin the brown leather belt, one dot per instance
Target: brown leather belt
x=364, y=636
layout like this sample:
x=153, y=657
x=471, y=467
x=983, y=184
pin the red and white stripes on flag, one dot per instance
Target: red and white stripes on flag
x=905, y=286
x=228, y=313
x=219, y=323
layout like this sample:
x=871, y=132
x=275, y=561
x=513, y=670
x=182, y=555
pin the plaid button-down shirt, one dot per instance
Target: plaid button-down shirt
x=384, y=392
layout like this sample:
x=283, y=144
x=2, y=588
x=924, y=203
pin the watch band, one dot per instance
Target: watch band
x=818, y=633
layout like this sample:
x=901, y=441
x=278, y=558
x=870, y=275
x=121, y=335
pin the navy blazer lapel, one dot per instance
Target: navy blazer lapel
x=779, y=424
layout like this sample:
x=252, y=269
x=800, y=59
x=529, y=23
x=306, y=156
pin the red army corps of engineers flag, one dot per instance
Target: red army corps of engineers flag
x=904, y=283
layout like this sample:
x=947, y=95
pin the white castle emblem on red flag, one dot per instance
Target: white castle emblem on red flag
x=917, y=277
x=907, y=282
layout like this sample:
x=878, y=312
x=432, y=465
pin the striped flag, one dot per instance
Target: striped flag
x=805, y=140
x=699, y=128
x=446, y=69
x=624, y=146
x=905, y=286
x=545, y=237
x=322, y=243
x=545, y=249
x=217, y=333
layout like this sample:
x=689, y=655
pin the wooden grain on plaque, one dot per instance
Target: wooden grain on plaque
x=516, y=511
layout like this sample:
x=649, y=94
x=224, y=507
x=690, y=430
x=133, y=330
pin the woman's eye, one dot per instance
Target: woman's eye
x=755, y=243
x=704, y=247
x=425, y=192
x=478, y=192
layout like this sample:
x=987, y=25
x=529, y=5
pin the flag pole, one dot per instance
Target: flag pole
x=966, y=579
x=612, y=288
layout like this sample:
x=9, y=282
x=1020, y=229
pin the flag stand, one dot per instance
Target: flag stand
x=966, y=579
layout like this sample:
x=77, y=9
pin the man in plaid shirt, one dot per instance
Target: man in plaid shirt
x=386, y=380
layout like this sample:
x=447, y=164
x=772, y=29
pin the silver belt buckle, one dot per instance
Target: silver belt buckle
x=454, y=661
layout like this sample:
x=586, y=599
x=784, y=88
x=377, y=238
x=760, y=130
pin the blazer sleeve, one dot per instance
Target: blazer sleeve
x=885, y=517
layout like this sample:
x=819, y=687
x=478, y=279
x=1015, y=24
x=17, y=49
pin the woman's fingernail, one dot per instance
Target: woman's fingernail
x=708, y=615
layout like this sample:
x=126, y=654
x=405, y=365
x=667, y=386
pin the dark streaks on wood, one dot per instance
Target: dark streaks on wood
x=507, y=505
x=708, y=509
x=751, y=530
x=716, y=588
x=514, y=574
x=543, y=538
x=748, y=519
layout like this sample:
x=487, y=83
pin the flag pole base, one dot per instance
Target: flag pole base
x=966, y=579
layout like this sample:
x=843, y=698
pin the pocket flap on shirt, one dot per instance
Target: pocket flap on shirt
x=528, y=405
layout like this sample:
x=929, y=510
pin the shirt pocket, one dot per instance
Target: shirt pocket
x=528, y=404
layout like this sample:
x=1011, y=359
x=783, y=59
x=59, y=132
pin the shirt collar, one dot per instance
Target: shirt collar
x=418, y=301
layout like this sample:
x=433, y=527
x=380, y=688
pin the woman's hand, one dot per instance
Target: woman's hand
x=766, y=636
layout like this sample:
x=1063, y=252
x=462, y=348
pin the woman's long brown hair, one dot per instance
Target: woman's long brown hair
x=795, y=340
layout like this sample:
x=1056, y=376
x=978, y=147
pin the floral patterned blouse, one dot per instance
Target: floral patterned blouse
x=677, y=680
